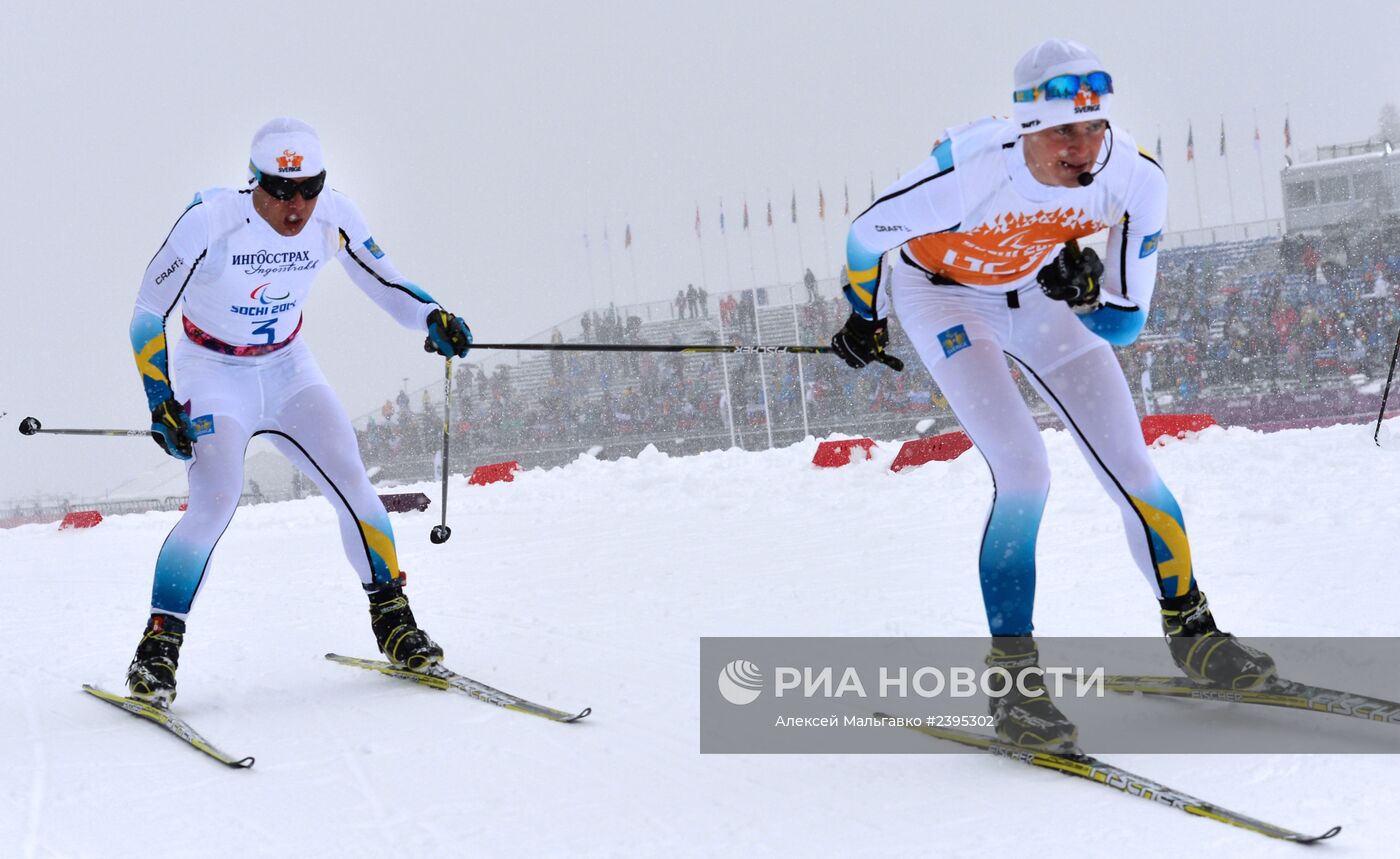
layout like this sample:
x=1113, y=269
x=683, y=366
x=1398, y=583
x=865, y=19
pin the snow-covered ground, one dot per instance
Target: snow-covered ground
x=591, y=585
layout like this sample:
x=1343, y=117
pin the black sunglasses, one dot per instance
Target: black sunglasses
x=282, y=188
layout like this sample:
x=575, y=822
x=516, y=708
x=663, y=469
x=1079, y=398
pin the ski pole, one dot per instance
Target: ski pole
x=693, y=349
x=1385, y=396
x=30, y=426
x=440, y=533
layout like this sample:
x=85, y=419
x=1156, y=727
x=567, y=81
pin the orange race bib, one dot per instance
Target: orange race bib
x=1004, y=251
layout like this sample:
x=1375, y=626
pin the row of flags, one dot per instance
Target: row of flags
x=821, y=213
x=846, y=189
x=1191, y=139
x=821, y=208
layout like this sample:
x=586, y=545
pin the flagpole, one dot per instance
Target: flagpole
x=632, y=261
x=1195, y=172
x=773, y=234
x=728, y=394
x=1259, y=156
x=753, y=270
x=797, y=228
x=1230, y=190
x=588, y=254
x=1229, y=183
x=1167, y=220
x=1196, y=180
x=758, y=336
x=753, y=276
x=607, y=252
x=801, y=376
x=724, y=242
x=762, y=371
x=1287, y=132
x=821, y=226
x=700, y=244
x=592, y=288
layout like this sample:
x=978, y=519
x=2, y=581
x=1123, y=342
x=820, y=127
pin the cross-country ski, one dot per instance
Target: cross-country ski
x=170, y=722
x=441, y=677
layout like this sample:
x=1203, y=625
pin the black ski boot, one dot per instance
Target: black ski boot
x=1029, y=720
x=1205, y=653
x=151, y=675
x=400, y=639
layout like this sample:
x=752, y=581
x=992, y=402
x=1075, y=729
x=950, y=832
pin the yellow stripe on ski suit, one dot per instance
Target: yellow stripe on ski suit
x=153, y=347
x=1174, y=537
x=382, y=545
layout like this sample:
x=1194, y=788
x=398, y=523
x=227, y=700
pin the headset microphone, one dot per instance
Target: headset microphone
x=1087, y=178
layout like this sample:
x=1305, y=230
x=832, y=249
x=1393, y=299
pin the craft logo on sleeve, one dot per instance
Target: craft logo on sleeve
x=160, y=278
x=289, y=161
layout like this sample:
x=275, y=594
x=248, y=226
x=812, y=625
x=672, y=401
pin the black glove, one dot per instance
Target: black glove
x=172, y=430
x=448, y=335
x=1073, y=277
x=861, y=341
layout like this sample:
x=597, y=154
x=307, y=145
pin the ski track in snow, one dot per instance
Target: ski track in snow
x=36, y=789
x=591, y=585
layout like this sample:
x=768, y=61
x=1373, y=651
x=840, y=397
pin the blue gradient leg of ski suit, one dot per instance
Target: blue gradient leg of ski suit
x=216, y=482
x=964, y=337
x=988, y=404
x=1092, y=398
x=959, y=334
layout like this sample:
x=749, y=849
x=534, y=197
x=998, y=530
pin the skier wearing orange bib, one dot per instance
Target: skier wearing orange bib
x=970, y=252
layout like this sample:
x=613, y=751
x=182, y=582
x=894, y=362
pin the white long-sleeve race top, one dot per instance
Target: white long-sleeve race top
x=973, y=215
x=239, y=281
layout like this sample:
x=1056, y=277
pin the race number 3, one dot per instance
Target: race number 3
x=268, y=328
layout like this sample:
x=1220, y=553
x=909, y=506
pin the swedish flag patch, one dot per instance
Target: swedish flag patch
x=953, y=340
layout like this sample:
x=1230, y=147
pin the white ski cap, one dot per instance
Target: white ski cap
x=1050, y=58
x=286, y=147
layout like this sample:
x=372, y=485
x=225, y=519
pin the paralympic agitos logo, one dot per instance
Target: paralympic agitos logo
x=266, y=304
x=261, y=297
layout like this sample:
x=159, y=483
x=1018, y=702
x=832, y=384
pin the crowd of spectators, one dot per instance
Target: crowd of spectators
x=1299, y=318
x=1265, y=315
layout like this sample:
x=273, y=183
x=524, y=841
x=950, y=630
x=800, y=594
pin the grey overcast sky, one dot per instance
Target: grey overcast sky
x=484, y=140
